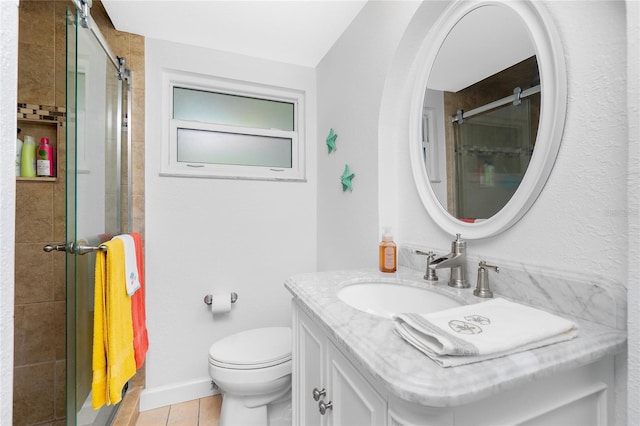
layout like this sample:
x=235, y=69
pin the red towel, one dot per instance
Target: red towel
x=138, y=313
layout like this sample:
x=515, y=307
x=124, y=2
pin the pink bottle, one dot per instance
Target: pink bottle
x=44, y=158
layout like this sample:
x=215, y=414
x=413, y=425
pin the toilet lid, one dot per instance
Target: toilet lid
x=258, y=347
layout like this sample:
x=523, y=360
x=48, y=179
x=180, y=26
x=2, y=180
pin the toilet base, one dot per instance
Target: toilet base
x=235, y=413
x=280, y=413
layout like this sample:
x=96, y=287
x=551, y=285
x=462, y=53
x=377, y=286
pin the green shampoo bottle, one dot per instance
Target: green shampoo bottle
x=28, y=159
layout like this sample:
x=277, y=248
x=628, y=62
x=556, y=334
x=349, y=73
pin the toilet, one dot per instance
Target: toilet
x=252, y=369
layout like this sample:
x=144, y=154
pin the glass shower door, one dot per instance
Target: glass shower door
x=94, y=204
x=492, y=153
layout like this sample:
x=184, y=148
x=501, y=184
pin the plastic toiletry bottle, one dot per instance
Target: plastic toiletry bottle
x=28, y=159
x=488, y=174
x=44, y=158
x=18, y=152
x=388, y=255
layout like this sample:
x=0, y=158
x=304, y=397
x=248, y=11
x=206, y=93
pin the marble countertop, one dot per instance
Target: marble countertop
x=407, y=373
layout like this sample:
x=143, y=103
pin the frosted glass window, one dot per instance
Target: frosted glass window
x=201, y=146
x=231, y=129
x=232, y=110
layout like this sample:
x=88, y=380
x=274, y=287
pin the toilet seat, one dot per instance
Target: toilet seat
x=252, y=349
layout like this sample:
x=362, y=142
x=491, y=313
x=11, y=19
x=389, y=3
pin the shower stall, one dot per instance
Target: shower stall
x=492, y=150
x=98, y=196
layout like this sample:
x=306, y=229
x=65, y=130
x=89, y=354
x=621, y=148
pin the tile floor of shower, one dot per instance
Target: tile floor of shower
x=203, y=411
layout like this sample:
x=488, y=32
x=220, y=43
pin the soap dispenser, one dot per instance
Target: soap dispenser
x=388, y=252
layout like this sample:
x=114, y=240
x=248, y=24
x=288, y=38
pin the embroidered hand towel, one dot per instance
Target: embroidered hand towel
x=130, y=264
x=482, y=331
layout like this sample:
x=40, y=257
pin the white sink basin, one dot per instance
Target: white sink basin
x=387, y=299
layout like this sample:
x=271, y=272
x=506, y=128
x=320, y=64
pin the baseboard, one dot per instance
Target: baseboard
x=162, y=396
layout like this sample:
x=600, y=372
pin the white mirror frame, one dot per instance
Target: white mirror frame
x=553, y=81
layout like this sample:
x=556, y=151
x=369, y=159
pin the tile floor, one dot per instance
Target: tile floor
x=199, y=412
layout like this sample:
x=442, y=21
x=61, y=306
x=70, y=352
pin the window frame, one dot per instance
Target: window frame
x=170, y=166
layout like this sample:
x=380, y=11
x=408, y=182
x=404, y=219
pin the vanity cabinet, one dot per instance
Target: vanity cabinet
x=328, y=389
x=581, y=396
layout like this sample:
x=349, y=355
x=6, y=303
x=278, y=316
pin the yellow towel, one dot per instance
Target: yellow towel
x=113, y=357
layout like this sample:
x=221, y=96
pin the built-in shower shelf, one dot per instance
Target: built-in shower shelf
x=36, y=179
x=41, y=121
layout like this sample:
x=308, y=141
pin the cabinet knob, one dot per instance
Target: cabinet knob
x=324, y=407
x=317, y=394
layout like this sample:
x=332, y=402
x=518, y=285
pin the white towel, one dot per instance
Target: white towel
x=481, y=331
x=130, y=264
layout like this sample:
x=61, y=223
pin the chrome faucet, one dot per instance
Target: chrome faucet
x=456, y=261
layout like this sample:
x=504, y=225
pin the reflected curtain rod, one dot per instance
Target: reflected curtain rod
x=517, y=95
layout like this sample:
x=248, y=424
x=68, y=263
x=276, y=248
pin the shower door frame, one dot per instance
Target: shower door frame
x=81, y=267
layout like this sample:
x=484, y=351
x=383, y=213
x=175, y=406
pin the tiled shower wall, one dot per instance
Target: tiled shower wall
x=39, y=354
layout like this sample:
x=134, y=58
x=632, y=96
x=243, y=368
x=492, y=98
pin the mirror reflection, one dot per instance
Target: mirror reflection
x=481, y=113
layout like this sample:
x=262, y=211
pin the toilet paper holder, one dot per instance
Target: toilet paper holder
x=208, y=299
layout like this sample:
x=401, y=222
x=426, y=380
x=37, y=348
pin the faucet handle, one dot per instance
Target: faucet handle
x=430, y=254
x=430, y=274
x=484, y=264
x=482, y=287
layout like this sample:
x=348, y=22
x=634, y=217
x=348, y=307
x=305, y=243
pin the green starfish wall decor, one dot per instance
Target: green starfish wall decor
x=346, y=178
x=331, y=141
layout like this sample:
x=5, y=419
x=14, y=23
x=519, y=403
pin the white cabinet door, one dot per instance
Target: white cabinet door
x=318, y=365
x=354, y=401
x=309, y=361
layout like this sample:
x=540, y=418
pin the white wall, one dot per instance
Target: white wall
x=205, y=234
x=434, y=100
x=580, y=221
x=633, y=94
x=8, y=99
x=350, y=81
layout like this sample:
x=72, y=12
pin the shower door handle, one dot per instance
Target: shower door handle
x=68, y=247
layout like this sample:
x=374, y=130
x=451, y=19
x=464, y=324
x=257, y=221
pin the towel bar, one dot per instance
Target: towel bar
x=84, y=249
x=208, y=299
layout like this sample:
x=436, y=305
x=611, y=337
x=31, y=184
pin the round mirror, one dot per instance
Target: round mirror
x=487, y=115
